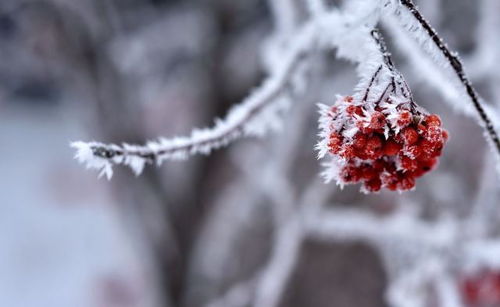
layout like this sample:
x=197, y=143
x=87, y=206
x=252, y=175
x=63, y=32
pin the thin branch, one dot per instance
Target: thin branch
x=379, y=100
x=372, y=80
x=386, y=55
x=457, y=66
x=240, y=121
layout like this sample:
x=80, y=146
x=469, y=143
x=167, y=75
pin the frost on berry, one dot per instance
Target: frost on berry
x=386, y=142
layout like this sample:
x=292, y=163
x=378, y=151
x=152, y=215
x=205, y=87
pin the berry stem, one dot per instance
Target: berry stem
x=367, y=92
x=379, y=100
x=396, y=75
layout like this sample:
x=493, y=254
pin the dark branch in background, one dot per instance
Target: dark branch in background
x=457, y=66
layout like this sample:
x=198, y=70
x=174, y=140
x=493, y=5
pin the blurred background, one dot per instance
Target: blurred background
x=220, y=230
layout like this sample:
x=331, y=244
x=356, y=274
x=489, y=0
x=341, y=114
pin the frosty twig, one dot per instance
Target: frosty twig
x=241, y=120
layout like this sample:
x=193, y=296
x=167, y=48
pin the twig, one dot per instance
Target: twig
x=379, y=100
x=367, y=92
x=383, y=48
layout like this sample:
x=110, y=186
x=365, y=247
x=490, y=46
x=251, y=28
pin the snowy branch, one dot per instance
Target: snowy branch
x=253, y=116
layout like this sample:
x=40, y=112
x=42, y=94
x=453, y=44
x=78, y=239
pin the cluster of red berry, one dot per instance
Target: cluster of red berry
x=481, y=289
x=385, y=145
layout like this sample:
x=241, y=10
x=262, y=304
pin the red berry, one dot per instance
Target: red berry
x=390, y=181
x=377, y=120
x=335, y=143
x=470, y=289
x=434, y=134
x=350, y=174
x=368, y=172
x=364, y=127
x=409, y=164
x=406, y=183
x=421, y=129
x=481, y=289
x=437, y=149
x=427, y=149
x=424, y=166
x=413, y=151
x=391, y=148
x=359, y=141
x=410, y=135
x=390, y=167
x=379, y=165
x=374, y=147
x=349, y=152
x=351, y=110
x=433, y=120
x=373, y=185
x=404, y=119
x=360, y=153
x=445, y=135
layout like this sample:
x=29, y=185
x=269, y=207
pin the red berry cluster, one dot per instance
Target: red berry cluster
x=384, y=145
x=481, y=289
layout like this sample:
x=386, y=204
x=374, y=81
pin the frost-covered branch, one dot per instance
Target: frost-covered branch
x=424, y=33
x=253, y=116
